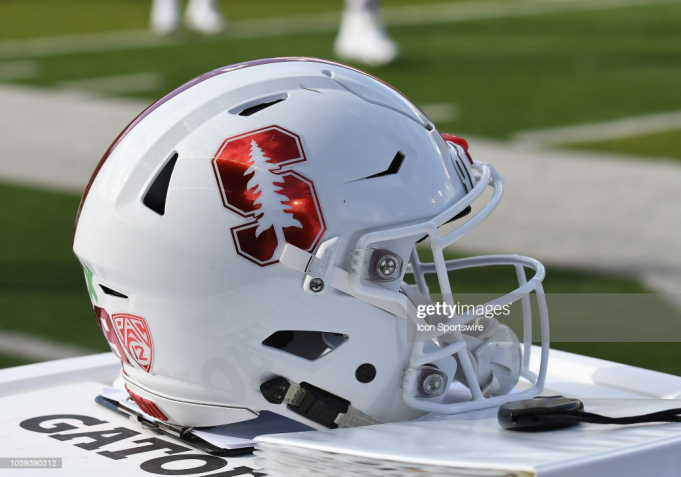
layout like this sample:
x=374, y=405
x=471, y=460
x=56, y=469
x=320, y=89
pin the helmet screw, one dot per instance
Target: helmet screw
x=432, y=384
x=316, y=285
x=386, y=266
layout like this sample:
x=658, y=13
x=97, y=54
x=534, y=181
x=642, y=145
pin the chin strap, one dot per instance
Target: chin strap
x=669, y=415
x=315, y=404
x=556, y=412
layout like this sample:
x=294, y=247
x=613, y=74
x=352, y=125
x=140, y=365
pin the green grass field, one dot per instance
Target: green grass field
x=504, y=75
x=664, y=145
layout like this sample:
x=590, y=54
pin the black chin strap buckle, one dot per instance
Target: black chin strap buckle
x=320, y=406
x=556, y=412
x=533, y=414
x=307, y=400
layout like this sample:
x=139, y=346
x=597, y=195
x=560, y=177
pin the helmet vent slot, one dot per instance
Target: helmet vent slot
x=392, y=169
x=111, y=292
x=310, y=345
x=249, y=109
x=155, y=198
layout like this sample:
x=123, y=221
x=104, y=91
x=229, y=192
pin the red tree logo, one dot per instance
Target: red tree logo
x=255, y=181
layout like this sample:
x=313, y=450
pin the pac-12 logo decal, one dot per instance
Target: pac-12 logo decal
x=134, y=334
x=254, y=175
x=128, y=336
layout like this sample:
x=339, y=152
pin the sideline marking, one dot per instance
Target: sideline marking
x=602, y=131
x=118, y=84
x=20, y=345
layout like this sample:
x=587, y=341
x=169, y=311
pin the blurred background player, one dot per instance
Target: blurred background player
x=362, y=36
x=201, y=15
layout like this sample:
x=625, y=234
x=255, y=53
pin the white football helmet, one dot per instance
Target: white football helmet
x=246, y=240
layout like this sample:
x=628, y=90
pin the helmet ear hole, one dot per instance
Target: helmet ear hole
x=279, y=340
x=310, y=345
x=334, y=340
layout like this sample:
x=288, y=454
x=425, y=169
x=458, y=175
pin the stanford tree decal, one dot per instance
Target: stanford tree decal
x=255, y=177
x=272, y=210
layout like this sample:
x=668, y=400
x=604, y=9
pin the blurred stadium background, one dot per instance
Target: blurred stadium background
x=590, y=84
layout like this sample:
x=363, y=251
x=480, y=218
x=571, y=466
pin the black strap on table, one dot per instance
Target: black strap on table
x=668, y=415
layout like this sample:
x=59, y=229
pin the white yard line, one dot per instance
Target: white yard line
x=20, y=345
x=77, y=125
x=82, y=43
x=458, y=12
x=118, y=84
x=311, y=23
x=620, y=128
